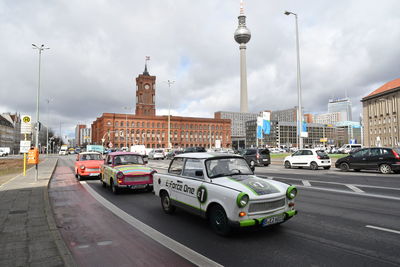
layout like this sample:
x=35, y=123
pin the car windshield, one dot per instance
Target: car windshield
x=220, y=167
x=91, y=157
x=128, y=159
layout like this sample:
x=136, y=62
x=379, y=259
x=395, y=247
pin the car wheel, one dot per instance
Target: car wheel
x=149, y=188
x=76, y=175
x=266, y=165
x=219, y=221
x=166, y=204
x=344, y=166
x=313, y=166
x=114, y=188
x=327, y=167
x=79, y=177
x=288, y=165
x=385, y=168
x=103, y=184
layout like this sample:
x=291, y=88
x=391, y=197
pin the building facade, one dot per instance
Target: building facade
x=85, y=136
x=328, y=118
x=78, y=129
x=238, y=125
x=380, y=120
x=287, y=115
x=341, y=105
x=145, y=128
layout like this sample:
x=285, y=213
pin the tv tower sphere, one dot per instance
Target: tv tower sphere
x=242, y=34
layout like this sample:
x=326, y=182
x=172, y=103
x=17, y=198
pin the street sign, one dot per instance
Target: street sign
x=24, y=146
x=26, y=124
x=323, y=140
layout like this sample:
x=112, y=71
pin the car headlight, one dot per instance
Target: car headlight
x=242, y=200
x=291, y=192
x=120, y=175
x=82, y=167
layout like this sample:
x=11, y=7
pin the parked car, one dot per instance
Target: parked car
x=347, y=148
x=257, y=156
x=126, y=170
x=194, y=149
x=222, y=188
x=383, y=159
x=310, y=158
x=88, y=164
x=173, y=153
x=156, y=154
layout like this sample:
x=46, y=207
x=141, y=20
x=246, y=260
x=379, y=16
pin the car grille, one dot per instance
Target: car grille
x=266, y=206
x=136, y=178
x=92, y=170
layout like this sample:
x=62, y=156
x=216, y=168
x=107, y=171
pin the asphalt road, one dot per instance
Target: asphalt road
x=345, y=219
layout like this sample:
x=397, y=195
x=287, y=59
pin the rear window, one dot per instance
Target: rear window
x=158, y=151
x=264, y=152
x=250, y=152
x=321, y=153
x=397, y=150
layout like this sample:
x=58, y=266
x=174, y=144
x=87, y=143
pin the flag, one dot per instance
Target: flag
x=266, y=122
x=259, y=127
x=304, y=128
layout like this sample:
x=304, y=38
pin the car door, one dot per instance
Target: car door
x=360, y=159
x=378, y=156
x=192, y=180
x=174, y=182
x=295, y=159
x=307, y=157
x=106, y=169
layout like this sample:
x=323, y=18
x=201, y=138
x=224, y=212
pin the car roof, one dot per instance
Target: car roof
x=90, y=152
x=122, y=153
x=207, y=155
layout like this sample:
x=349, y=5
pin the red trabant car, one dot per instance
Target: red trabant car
x=88, y=164
x=126, y=170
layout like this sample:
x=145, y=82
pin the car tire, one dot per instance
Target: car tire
x=219, y=221
x=103, y=184
x=344, y=166
x=166, y=204
x=149, y=188
x=313, y=166
x=385, y=168
x=327, y=167
x=266, y=165
x=114, y=188
x=288, y=165
x=76, y=175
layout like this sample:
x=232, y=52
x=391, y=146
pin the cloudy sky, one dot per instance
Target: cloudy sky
x=97, y=49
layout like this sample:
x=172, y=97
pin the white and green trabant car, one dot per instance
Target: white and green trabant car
x=223, y=189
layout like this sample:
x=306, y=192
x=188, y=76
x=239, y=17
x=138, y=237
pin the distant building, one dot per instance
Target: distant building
x=146, y=128
x=288, y=115
x=78, y=129
x=380, y=120
x=308, y=118
x=238, y=125
x=328, y=118
x=6, y=134
x=341, y=105
x=85, y=136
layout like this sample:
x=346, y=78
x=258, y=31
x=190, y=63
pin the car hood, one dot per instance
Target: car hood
x=134, y=169
x=252, y=185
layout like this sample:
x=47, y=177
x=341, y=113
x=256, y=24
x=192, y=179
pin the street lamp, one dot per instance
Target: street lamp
x=40, y=49
x=299, y=112
x=126, y=126
x=169, y=113
x=48, y=123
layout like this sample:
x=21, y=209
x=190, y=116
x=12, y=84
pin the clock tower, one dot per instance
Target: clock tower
x=145, y=94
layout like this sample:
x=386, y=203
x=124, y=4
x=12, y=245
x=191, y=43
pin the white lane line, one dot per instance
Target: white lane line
x=348, y=192
x=104, y=243
x=383, y=229
x=355, y=189
x=178, y=248
x=306, y=183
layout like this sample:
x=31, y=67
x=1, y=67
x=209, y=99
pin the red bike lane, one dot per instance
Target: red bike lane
x=95, y=236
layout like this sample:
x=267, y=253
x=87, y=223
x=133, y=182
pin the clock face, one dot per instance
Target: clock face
x=146, y=86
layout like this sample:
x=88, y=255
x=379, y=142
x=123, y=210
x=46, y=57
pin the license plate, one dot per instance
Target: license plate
x=265, y=159
x=94, y=174
x=138, y=186
x=272, y=220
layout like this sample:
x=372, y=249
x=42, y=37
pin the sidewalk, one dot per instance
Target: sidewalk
x=28, y=233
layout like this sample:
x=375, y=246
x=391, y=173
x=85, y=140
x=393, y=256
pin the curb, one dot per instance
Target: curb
x=65, y=253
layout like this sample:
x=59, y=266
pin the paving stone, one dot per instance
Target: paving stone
x=48, y=262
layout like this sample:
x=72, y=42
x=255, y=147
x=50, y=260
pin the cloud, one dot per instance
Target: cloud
x=97, y=49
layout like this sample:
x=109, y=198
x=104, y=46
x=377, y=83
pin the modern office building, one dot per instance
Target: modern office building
x=85, y=136
x=78, y=129
x=341, y=105
x=146, y=128
x=288, y=115
x=328, y=118
x=380, y=120
x=238, y=125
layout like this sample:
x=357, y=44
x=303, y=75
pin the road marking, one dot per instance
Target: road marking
x=306, y=183
x=383, y=229
x=355, y=189
x=348, y=192
x=104, y=243
x=83, y=246
x=178, y=248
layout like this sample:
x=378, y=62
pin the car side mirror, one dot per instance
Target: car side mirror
x=199, y=173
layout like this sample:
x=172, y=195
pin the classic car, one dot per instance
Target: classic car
x=223, y=189
x=88, y=164
x=126, y=170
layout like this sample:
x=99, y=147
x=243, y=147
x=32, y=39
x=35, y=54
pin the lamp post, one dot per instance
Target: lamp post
x=169, y=113
x=48, y=123
x=126, y=126
x=299, y=112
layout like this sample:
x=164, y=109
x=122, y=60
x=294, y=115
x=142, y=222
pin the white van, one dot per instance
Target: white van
x=347, y=148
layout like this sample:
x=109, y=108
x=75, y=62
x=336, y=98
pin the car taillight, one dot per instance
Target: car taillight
x=318, y=157
x=258, y=156
x=395, y=154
